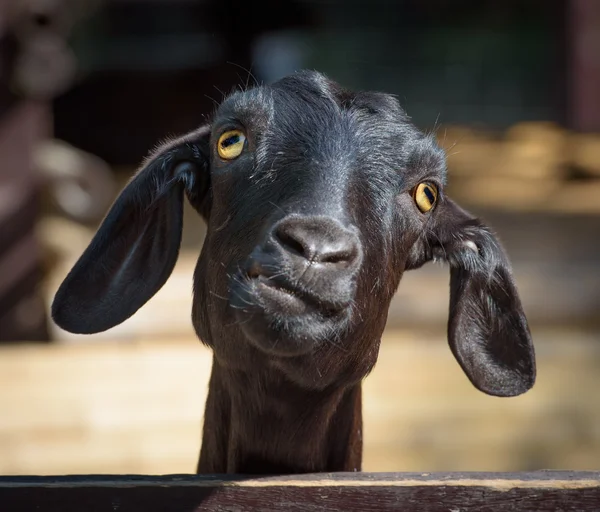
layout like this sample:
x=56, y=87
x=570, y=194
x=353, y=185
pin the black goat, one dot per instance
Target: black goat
x=317, y=199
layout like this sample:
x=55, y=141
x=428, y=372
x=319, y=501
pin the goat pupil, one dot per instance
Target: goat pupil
x=230, y=141
x=429, y=194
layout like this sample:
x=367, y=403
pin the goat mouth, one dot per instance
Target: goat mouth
x=281, y=318
x=282, y=297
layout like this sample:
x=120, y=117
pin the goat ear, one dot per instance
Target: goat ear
x=137, y=244
x=487, y=328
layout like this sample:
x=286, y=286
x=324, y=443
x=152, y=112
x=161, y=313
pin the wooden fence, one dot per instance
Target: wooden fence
x=448, y=492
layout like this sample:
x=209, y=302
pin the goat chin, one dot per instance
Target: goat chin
x=317, y=199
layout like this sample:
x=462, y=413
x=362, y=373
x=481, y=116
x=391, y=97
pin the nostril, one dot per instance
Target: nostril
x=344, y=256
x=317, y=240
x=290, y=243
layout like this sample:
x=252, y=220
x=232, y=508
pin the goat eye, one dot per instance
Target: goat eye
x=425, y=196
x=231, y=144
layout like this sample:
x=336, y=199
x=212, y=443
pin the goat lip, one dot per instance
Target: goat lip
x=286, y=298
x=282, y=319
x=281, y=299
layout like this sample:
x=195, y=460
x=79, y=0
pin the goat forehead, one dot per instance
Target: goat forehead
x=309, y=116
x=310, y=119
x=334, y=142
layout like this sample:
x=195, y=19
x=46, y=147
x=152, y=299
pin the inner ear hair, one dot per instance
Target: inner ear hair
x=466, y=242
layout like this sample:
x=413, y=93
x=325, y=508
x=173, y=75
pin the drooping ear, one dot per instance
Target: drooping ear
x=488, y=332
x=136, y=246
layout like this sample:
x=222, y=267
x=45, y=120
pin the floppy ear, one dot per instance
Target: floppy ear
x=137, y=244
x=487, y=329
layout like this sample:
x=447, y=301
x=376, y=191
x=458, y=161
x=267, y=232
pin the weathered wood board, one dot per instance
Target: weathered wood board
x=344, y=492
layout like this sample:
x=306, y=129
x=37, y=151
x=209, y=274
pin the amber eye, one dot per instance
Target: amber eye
x=231, y=144
x=425, y=196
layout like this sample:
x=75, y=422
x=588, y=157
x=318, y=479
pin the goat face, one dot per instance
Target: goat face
x=317, y=199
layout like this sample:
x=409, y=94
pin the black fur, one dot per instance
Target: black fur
x=309, y=232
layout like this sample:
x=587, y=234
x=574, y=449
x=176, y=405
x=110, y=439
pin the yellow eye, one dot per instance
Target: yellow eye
x=425, y=196
x=231, y=144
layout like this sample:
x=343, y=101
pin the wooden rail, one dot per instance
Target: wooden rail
x=448, y=492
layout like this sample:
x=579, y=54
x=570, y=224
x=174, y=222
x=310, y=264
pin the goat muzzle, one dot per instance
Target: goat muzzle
x=299, y=284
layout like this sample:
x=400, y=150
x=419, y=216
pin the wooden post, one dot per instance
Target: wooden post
x=584, y=65
x=22, y=124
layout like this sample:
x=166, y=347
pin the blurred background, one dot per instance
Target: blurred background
x=88, y=87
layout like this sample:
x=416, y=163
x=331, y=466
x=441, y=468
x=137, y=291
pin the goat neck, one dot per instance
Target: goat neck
x=265, y=424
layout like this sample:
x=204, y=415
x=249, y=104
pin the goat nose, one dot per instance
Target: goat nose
x=318, y=239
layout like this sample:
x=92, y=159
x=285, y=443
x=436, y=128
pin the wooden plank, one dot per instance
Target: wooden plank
x=535, y=491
